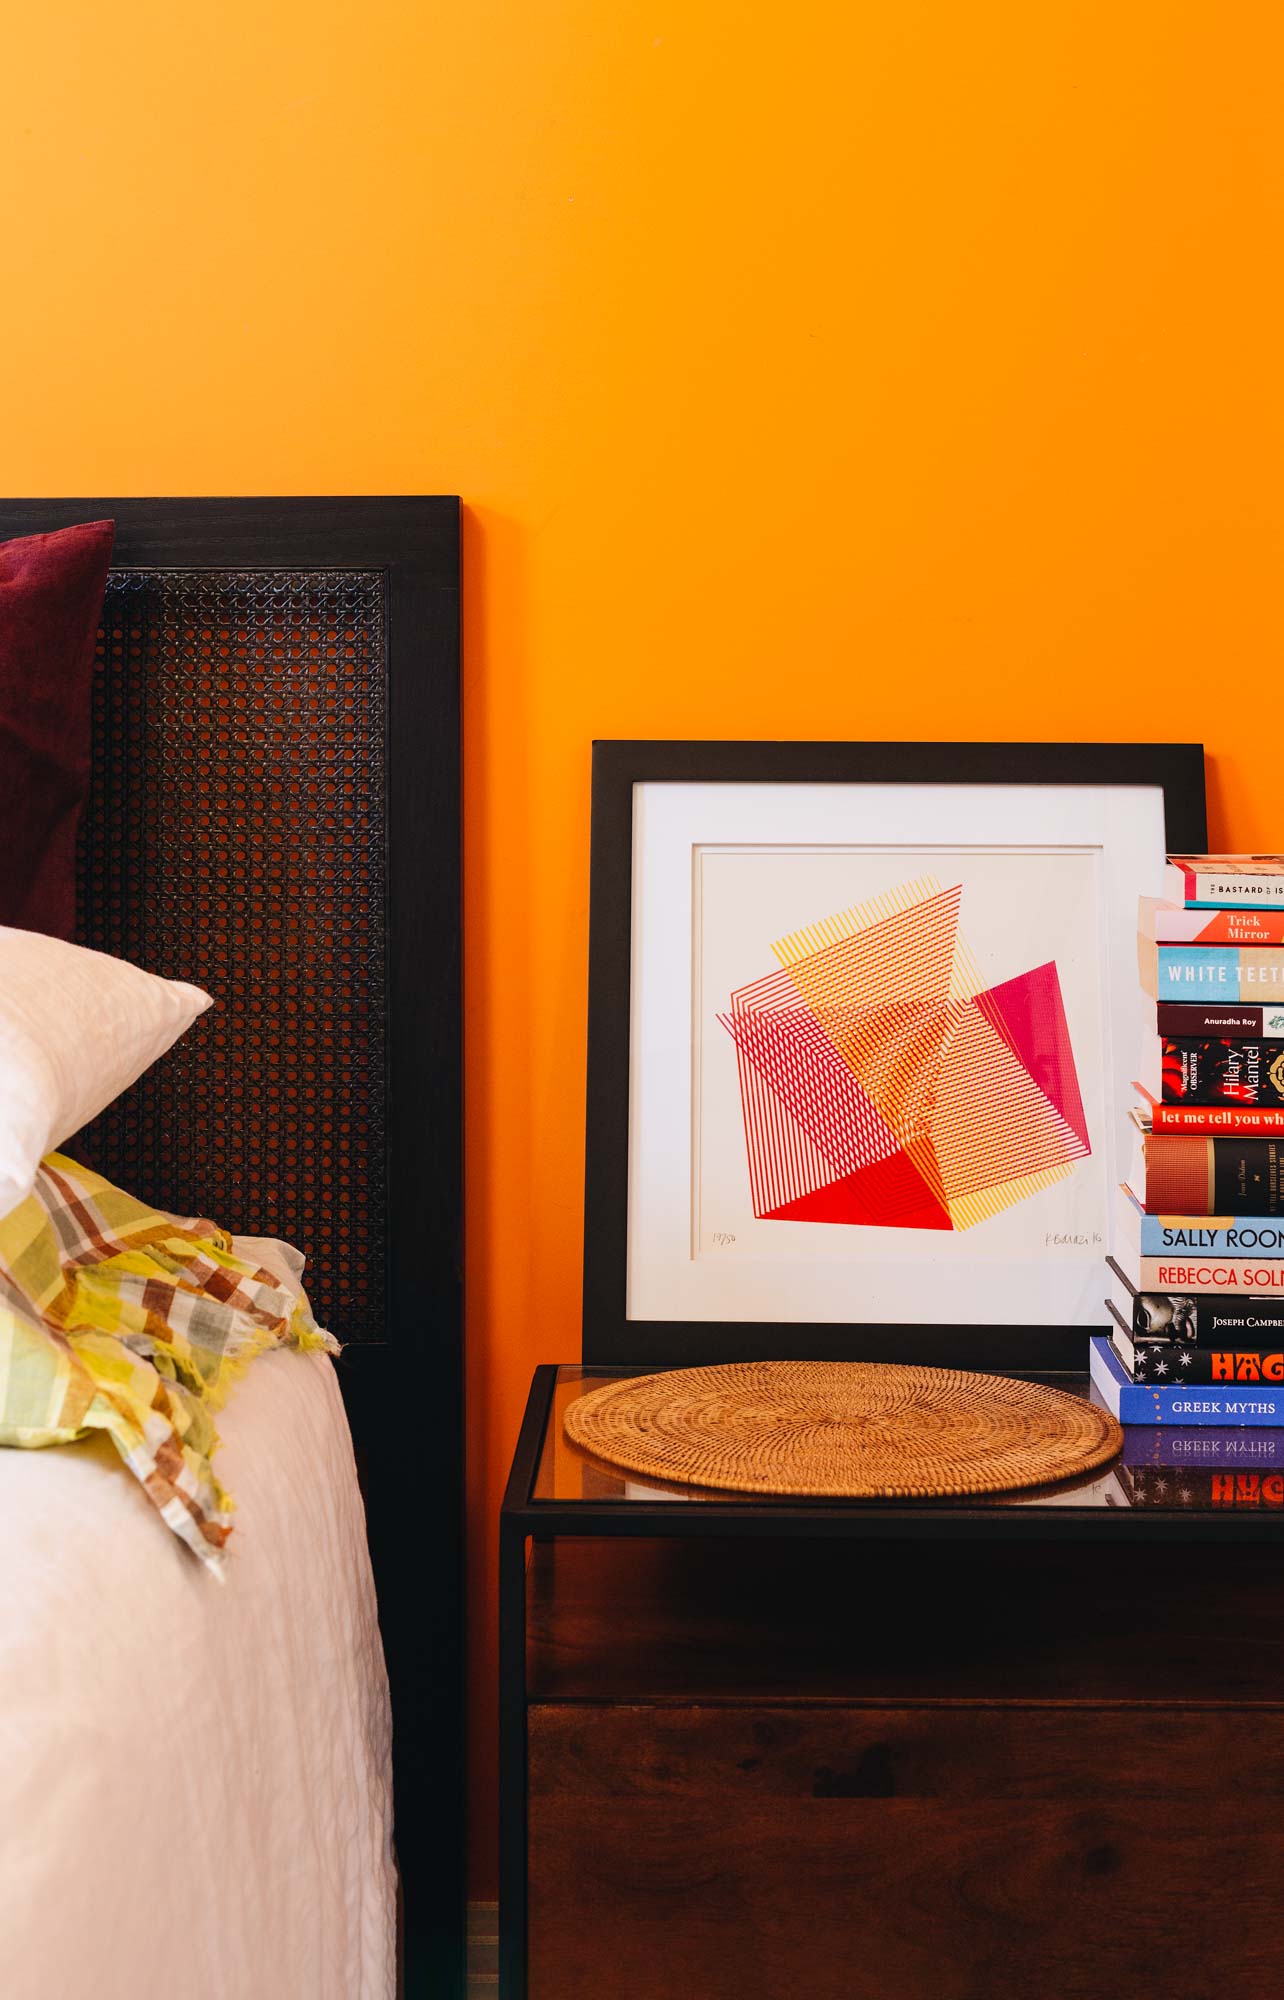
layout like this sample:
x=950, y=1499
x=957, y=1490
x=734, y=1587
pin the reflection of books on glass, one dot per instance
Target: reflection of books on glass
x=1224, y=1491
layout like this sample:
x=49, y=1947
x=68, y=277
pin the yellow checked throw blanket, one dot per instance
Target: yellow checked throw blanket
x=116, y=1318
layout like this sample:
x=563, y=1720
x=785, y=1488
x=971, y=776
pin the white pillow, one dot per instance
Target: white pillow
x=76, y=1028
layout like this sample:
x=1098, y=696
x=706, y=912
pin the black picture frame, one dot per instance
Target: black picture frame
x=412, y=1482
x=610, y=1337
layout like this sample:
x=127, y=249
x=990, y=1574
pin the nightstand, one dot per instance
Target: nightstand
x=781, y=1750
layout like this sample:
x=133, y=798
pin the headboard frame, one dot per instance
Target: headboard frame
x=274, y=814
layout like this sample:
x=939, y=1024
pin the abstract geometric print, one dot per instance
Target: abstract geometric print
x=883, y=1083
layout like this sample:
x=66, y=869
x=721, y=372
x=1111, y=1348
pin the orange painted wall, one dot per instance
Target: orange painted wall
x=845, y=368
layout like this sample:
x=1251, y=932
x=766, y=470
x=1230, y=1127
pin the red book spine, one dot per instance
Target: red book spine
x=1213, y=1120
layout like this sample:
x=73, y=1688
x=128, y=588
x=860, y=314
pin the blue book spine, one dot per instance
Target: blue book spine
x=1247, y=1236
x=1199, y=972
x=1232, y=1406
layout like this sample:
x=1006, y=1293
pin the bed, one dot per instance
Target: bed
x=274, y=814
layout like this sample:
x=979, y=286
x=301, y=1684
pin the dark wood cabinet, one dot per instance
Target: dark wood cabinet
x=942, y=1755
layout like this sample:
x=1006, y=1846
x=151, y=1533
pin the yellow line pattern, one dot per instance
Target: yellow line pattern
x=965, y=975
x=985, y=1202
x=860, y=917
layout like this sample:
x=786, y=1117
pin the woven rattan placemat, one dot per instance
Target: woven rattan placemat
x=847, y=1429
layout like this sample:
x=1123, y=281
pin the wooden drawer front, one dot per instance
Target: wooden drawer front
x=757, y=1621
x=963, y=1853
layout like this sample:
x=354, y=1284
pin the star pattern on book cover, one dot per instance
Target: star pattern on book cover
x=883, y=1082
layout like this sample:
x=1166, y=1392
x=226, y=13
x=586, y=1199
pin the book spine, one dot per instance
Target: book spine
x=1220, y=971
x=1218, y=1071
x=1212, y=889
x=1170, y=1363
x=1225, y=1406
x=1193, y=1022
x=1188, y=1175
x=1167, y=1236
x=1146, y=1403
x=1180, y=883
x=1212, y=1277
x=1168, y=925
x=1215, y=1121
x=1206, y=1319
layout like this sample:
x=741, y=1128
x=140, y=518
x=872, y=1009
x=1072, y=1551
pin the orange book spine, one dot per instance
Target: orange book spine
x=1213, y=1120
x=1251, y=927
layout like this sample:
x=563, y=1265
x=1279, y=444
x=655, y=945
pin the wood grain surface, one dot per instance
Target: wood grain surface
x=966, y=1854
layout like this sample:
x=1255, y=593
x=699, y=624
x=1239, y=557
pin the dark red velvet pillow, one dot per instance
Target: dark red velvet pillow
x=51, y=599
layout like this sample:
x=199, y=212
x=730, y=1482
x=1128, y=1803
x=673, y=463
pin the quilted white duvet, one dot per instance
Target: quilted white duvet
x=194, y=1780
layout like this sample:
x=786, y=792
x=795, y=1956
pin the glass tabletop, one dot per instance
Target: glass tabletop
x=1199, y=1471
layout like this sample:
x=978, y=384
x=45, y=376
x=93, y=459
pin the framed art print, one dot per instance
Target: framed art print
x=862, y=1024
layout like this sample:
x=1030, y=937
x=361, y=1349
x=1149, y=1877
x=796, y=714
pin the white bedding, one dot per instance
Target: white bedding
x=194, y=1781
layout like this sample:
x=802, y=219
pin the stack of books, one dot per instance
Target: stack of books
x=1196, y=1271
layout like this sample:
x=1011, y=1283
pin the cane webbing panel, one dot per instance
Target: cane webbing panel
x=236, y=835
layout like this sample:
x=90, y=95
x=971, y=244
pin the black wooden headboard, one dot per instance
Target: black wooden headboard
x=275, y=814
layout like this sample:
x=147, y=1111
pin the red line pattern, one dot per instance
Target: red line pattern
x=807, y=1120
